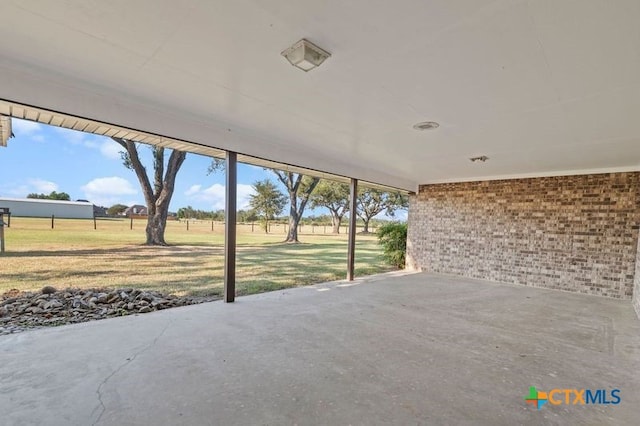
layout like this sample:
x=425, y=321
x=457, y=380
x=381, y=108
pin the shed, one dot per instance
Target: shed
x=29, y=207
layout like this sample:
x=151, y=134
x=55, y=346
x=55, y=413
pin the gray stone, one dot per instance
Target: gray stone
x=48, y=290
x=53, y=304
x=32, y=310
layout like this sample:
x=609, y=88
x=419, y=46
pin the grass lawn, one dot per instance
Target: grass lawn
x=73, y=254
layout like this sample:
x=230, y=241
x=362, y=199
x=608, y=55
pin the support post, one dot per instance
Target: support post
x=351, y=254
x=231, y=194
x=1, y=233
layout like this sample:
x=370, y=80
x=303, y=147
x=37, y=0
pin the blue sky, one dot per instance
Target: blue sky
x=43, y=158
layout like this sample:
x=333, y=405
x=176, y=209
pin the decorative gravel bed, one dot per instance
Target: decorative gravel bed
x=49, y=307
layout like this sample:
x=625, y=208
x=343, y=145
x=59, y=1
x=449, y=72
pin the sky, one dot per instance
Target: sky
x=42, y=158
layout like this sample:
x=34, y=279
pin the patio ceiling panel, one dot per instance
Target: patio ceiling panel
x=539, y=87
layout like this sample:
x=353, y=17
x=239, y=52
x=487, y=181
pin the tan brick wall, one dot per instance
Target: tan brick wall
x=636, y=288
x=574, y=233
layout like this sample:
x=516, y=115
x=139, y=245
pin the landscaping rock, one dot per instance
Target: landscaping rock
x=20, y=311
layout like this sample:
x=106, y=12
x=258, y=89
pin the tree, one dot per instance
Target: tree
x=217, y=164
x=335, y=197
x=267, y=201
x=116, y=209
x=245, y=216
x=299, y=188
x=159, y=195
x=53, y=195
x=371, y=202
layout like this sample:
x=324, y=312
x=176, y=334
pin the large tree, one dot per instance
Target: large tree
x=335, y=197
x=371, y=202
x=267, y=201
x=299, y=188
x=157, y=196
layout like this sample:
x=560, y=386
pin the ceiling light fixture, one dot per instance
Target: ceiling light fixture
x=305, y=55
x=426, y=125
x=481, y=158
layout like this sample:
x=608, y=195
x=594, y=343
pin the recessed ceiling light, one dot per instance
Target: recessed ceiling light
x=426, y=125
x=305, y=55
x=481, y=159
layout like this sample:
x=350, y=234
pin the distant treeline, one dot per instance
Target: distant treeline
x=248, y=216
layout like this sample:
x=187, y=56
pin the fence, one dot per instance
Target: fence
x=139, y=223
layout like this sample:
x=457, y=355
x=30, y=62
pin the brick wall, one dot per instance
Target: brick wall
x=574, y=233
x=636, y=288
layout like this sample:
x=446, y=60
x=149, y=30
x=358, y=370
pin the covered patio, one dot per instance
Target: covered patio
x=398, y=348
x=512, y=124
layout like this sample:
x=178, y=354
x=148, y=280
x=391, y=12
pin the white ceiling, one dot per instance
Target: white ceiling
x=540, y=87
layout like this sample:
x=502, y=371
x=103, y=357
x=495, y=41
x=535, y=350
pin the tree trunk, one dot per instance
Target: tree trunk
x=156, y=225
x=159, y=195
x=335, y=222
x=157, y=222
x=294, y=220
x=292, y=183
x=366, y=226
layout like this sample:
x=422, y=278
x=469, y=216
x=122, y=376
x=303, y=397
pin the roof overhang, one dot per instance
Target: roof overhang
x=39, y=115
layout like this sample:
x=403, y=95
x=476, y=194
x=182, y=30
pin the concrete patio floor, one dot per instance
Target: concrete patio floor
x=392, y=349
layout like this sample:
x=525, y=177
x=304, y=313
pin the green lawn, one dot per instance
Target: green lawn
x=73, y=254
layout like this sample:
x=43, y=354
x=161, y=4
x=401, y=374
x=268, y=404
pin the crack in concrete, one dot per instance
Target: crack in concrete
x=117, y=370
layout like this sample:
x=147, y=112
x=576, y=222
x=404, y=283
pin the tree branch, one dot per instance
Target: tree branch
x=158, y=167
x=138, y=168
x=175, y=162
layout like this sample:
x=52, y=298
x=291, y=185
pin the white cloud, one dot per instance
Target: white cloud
x=73, y=136
x=36, y=185
x=111, y=150
x=193, y=190
x=44, y=186
x=107, y=191
x=215, y=194
x=107, y=147
x=25, y=128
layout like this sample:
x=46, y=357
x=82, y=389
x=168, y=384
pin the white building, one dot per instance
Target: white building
x=29, y=207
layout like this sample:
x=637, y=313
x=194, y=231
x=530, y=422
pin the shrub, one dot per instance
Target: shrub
x=393, y=238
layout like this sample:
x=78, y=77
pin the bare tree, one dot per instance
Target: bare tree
x=158, y=196
x=299, y=188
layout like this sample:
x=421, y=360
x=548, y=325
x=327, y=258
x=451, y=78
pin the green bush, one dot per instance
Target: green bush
x=393, y=238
